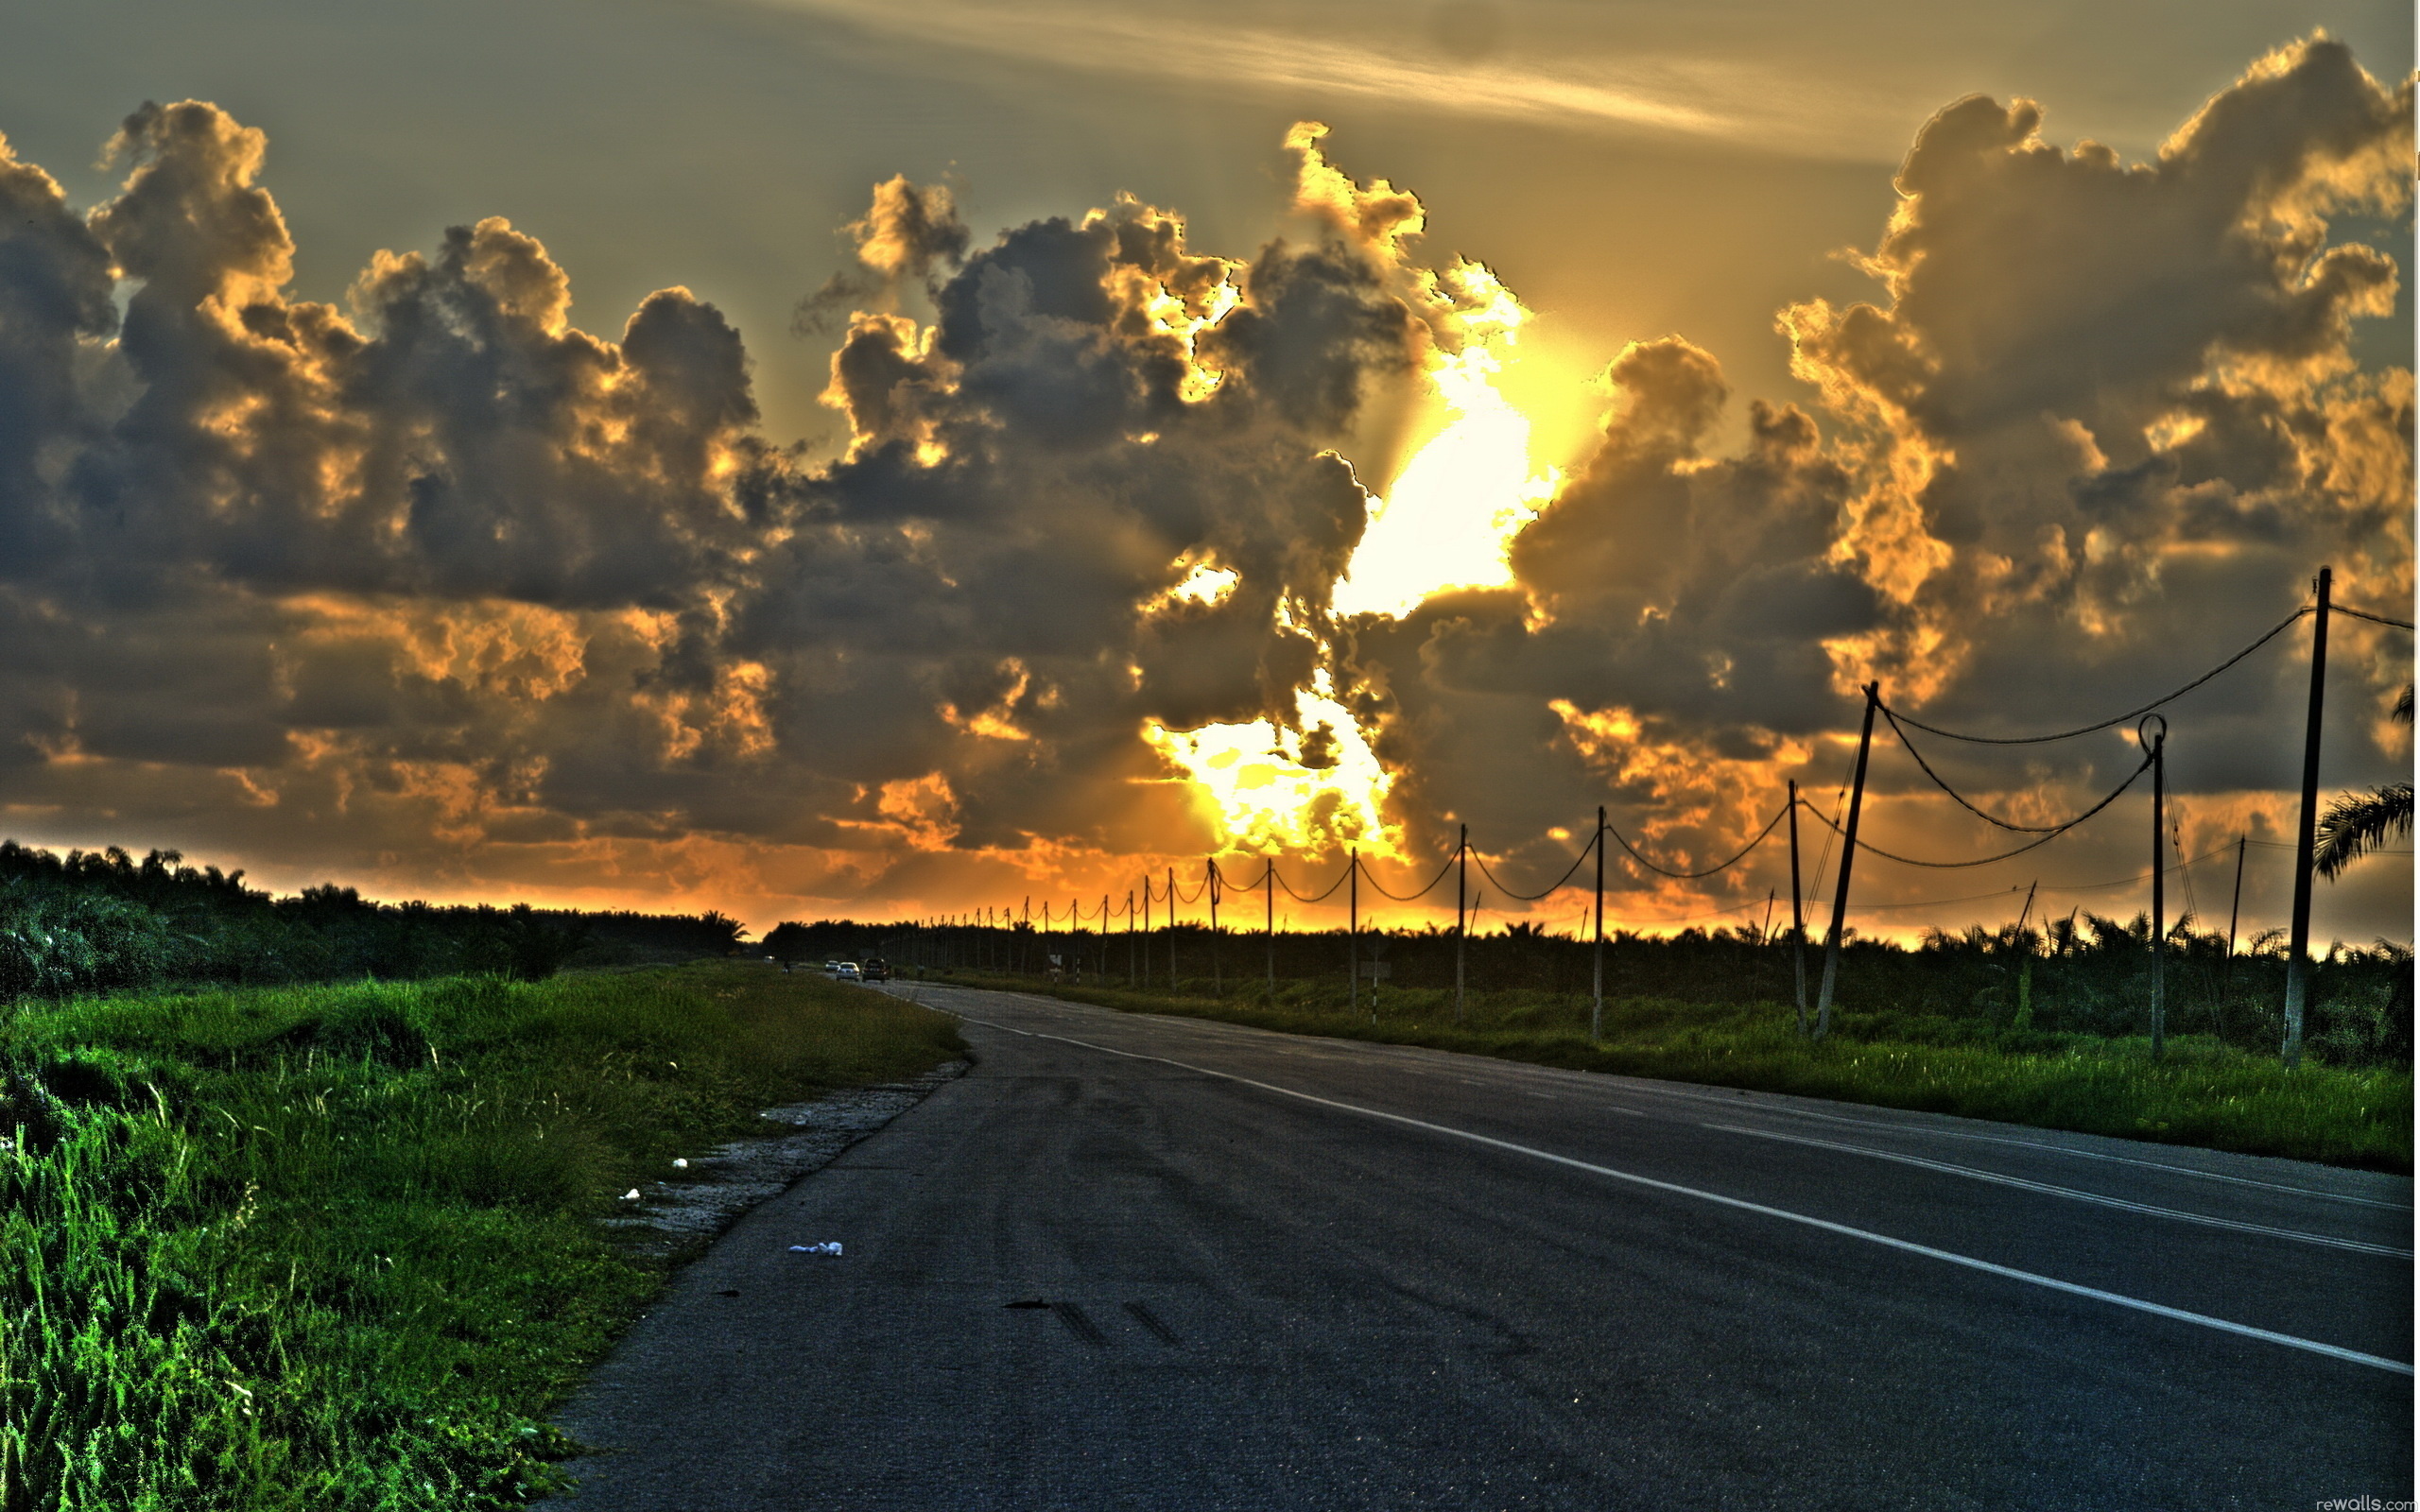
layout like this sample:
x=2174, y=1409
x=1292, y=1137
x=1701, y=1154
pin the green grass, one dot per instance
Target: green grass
x=336, y=1248
x=2201, y=1091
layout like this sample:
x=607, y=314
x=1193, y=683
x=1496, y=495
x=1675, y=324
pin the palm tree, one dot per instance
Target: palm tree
x=2358, y=823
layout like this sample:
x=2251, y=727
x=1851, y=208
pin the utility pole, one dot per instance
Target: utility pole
x=1797, y=917
x=1596, y=952
x=2235, y=911
x=1461, y=890
x=1210, y=884
x=1848, y=857
x=2298, y=944
x=1269, y=886
x=1352, y=930
x=1171, y=929
x=1147, y=924
x=2159, y=880
x=1130, y=937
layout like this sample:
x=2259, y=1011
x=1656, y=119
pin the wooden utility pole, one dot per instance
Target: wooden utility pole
x=1797, y=916
x=1596, y=952
x=1848, y=856
x=1210, y=885
x=1130, y=937
x=1171, y=929
x=1352, y=930
x=2159, y=880
x=1462, y=892
x=2298, y=942
x=1269, y=886
x=2235, y=912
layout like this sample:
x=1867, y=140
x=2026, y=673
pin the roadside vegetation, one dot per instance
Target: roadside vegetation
x=329, y=1247
x=101, y=920
x=2044, y=1028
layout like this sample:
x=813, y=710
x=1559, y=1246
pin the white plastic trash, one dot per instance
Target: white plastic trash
x=830, y=1247
x=681, y=1165
x=632, y=1195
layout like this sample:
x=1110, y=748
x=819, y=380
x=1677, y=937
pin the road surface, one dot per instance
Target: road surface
x=1279, y=1272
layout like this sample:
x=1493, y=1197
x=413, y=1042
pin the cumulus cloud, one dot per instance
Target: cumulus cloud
x=437, y=587
x=2100, y=430
x=905, y=235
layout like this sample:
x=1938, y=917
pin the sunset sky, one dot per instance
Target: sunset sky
x=816, y=457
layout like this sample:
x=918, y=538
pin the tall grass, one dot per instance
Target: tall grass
x=2200, y=1091
x=335, y=1247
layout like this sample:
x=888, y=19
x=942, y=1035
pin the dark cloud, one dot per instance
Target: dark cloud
x=905, y=235
x=440, y=587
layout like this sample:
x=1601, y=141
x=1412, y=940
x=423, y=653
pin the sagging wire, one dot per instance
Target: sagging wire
x=2133, y=713
x=1405, y=898
x=1908, y=746
x=1691, y=876
x=1984, y=861
x=1533, y=897
x=1322, y=896
x=2364, y=614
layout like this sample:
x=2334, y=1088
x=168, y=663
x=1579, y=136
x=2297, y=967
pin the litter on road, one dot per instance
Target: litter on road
x=830, y=1247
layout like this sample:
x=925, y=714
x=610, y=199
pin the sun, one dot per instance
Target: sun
x=1316, y=784
x=1449, y=518
x=1312, y=787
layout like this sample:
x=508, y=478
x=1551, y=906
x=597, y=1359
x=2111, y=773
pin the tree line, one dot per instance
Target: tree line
x=2083, y=973
x=102, y=921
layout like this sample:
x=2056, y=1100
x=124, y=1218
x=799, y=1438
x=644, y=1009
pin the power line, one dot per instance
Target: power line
x=1908, y=746
x=2375, y=619
x=1984, y=861
x=1341, y=878
x=1691, y=876
x=1406, y=897
x=1533, y=897
x=2132, y=713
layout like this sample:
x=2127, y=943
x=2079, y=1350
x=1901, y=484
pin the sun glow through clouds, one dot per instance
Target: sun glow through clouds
x=1313, y=788
x=1448, y=522
x=1452, y=513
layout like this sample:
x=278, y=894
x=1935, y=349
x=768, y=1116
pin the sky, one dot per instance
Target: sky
x=815, y=457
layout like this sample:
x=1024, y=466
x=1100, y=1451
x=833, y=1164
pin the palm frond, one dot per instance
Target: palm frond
x=2358, y=823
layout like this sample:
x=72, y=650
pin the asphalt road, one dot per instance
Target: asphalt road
x=1289, y=1273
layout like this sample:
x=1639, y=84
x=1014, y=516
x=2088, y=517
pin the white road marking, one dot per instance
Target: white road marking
x=1906, y=1246
x=1594, y=1082
x=2359, y=1245
x=2096, y=1155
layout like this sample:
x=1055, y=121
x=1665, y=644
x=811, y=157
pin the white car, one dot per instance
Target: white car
x=847, y=972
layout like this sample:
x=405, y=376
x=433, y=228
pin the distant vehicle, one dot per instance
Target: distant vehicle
x=876, y=969
x=848, y=973
x=831, y=968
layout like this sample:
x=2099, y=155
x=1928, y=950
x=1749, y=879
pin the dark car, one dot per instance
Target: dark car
x=875, y=968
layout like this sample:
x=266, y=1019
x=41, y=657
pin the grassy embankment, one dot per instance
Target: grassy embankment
x=334, y=1248
x=2202, y=1092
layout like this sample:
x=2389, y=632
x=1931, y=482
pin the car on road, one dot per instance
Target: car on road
x=847, y=972
x=875, y=968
